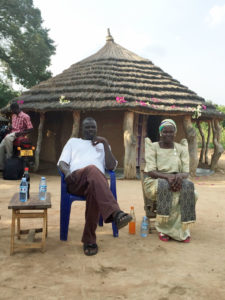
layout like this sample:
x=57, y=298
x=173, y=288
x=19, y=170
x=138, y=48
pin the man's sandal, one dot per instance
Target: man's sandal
x=163, y=237
x=90, y=249
x=121, y=219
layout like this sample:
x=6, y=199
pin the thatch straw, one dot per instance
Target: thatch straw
x=95, y=82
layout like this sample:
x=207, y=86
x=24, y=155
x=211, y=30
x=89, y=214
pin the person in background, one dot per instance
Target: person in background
x=21, y=125
x=166, y=181
x=83, y=162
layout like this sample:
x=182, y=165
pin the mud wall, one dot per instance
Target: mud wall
x=58, y=128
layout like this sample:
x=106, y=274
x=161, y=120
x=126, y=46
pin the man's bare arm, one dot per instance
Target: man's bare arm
x=65, y=168
x=110, y=161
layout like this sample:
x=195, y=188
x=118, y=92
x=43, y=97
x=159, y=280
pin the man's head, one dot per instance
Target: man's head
x=15, y=109
x=89, y=128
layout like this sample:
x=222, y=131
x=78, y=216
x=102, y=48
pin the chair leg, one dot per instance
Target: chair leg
x=115, y=230
x=113, y=183
x=64, y=219
x=113, y=190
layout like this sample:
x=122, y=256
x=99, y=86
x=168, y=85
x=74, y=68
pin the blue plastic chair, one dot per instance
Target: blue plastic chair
x=66, y=202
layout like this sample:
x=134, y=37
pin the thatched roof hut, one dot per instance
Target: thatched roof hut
x=120, y=89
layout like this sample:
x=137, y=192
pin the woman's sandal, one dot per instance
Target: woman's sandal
x=163, y=237
x=121, y=219
x=90, y=249
x=187, y=240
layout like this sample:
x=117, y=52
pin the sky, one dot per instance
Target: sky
x=185, y=38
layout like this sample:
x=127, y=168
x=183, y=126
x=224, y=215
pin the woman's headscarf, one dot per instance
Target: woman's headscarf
x=167, y=122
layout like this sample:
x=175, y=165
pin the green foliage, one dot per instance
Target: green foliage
x=222, y=109
x=25, y=48
x=204, y=126
x=6, y=94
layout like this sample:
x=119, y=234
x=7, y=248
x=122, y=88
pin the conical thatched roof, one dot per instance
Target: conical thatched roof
x=96, y=82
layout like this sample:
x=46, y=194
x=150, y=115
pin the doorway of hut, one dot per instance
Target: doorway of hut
x=153, y=123
x=147, y=126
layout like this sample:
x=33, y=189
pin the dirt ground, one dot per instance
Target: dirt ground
x=128, y=267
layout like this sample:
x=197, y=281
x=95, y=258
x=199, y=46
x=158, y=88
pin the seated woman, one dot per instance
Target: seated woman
x=166, y=173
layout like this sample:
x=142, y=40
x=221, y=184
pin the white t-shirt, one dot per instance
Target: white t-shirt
x=79, y=153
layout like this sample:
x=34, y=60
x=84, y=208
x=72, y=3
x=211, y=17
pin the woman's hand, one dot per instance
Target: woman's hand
x=170, y=178
x=177, y=182
x=174, y=180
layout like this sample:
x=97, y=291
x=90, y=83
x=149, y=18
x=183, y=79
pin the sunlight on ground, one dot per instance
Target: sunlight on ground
x=5, y=186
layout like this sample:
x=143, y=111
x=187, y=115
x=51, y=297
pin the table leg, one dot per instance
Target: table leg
x=12, y=231
x=44, y=232
x=18, y=225
x=46, y=223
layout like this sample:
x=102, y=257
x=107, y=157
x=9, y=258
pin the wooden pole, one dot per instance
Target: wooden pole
x=218, y=148
x=203, y=141
x=144, y=134
x=192, y=144
x=207, y=143
x=76, y=124
x=130, y=146
x=39, y=141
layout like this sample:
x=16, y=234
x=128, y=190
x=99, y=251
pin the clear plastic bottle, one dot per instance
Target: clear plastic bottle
x=144, y=227
x=23, y=190
x=27, y=176
x=42, y=189
x=132, y=223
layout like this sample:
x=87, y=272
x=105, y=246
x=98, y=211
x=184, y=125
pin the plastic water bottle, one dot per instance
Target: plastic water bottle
x=132, y=223
x=144, y=227
x=23, y=190
x=27, y=176
x=42, y=189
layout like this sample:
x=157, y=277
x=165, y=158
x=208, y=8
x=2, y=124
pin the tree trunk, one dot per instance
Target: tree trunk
x=39, y=141
x=218, y=148
x=76, y=124
x=203, y=141
x=192, y=144
x=130, y=146
x=207, y=143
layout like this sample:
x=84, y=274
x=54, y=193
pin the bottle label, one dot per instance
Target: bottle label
x=42, y=192
x=23, y=193
x=144, y=229
x=144, y=226
x=43, y=188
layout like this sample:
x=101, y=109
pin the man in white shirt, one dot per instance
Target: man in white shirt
x=83, y=161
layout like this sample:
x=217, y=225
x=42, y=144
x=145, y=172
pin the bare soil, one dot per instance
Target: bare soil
x=128, y=267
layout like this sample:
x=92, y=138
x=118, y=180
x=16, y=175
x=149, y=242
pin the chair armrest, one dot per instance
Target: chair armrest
x=63, y=183
x=113, y=183
x=61, y=173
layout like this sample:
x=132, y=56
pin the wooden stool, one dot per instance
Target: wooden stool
x=33, y=204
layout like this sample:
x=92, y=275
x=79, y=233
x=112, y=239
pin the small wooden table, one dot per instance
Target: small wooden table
x=33, y=204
